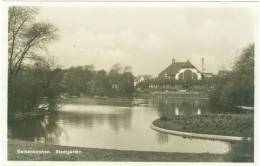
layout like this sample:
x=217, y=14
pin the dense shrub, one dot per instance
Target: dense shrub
x=36, y=85
x=236, y=88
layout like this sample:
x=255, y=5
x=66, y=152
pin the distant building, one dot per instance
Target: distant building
x=207, y=75
x=222, y=73
x=181, y=71
x=141, y=78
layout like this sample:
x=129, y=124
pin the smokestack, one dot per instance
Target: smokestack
x=173, y=60
x=202, y=65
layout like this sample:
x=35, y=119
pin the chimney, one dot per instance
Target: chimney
x=173, y=60
x=202, y=65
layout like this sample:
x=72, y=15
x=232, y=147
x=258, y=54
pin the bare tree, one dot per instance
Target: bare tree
x=25, y=38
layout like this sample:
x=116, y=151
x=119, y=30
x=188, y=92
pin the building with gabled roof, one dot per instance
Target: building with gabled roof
x=141, y=78
x=181, y=71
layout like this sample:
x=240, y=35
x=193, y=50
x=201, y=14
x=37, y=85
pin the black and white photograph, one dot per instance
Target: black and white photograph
x=131, y=82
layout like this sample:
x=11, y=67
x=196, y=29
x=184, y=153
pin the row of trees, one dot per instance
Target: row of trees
x=236, y=88
x=40, y=84
x=34, y=79
x=84, y=80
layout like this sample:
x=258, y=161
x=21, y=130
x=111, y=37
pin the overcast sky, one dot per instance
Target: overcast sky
x=147, y=38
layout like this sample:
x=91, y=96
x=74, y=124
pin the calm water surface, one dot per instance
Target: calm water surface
x=111, y=127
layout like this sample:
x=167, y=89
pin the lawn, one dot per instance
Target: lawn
x=241, y=125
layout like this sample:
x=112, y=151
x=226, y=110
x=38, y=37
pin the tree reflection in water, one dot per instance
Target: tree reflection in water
x=171, y=107
x=51, y=129
x=42, y=129
x=162, y=138
x=112, y=127
x=121, y=119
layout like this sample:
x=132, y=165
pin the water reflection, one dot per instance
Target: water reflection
x=170, y=107
x=162, y=138
x=115, y=127
x=38, y=129
x=89, y=116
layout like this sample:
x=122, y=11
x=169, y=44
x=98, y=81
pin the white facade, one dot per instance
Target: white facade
x=194, y=71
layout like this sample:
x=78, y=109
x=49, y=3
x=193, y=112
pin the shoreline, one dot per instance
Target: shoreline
x=24, y=115
x=94, y=154
x=232, y=125
x=239, y=135
x=199, y=135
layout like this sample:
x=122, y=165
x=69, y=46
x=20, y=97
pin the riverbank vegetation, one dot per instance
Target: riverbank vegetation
x=31, y=76
x=36, y=83
x=236, y=87
x=240, y=125
x=92, y=154
x=86, y=81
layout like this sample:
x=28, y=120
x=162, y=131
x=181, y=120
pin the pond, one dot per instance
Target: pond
x=111, y=125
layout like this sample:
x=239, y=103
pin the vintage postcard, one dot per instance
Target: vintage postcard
x=128, y=82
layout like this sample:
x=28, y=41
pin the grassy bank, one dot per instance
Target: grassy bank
x=241, y=125
x=91, y=154
x=231, y=124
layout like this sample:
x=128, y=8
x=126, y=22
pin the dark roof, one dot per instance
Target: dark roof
x=175, y=67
